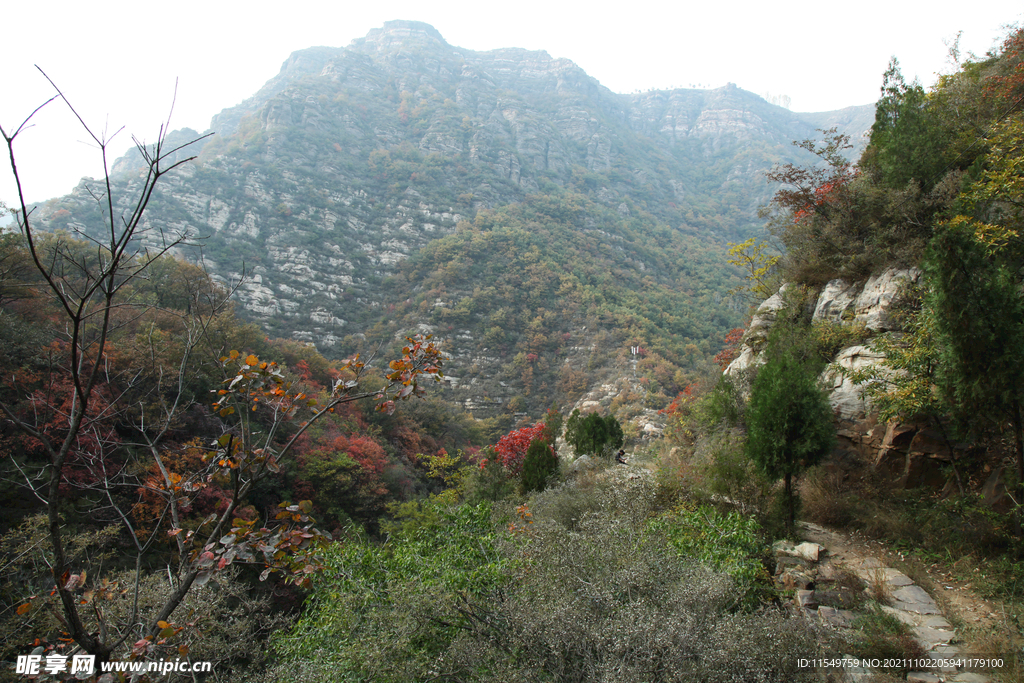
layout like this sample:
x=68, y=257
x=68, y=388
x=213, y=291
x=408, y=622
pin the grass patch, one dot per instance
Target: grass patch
x=882, y=636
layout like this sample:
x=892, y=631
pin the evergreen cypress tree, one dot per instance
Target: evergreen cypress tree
x=789, y=419
x=538, y=466
x=978, y=313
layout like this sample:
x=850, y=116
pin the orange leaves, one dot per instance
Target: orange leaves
x=525, y=520
x=420, y=357
x=288, y=546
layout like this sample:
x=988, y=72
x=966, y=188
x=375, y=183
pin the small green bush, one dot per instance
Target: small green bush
x=539, y=465
x=592, y=434
x=726, y=542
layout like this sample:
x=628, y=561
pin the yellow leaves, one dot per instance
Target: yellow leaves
x=760, y=268
x=252, y=361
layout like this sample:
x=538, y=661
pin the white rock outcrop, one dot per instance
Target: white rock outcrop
x=846, y=397
x=839, y=301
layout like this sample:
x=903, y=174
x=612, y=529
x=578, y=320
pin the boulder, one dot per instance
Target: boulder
x=873, y=303
x=792, y=579
x=836, y=301
x=582, y=463
x=808, y=551
x=892, y=463
x=846, y=397
x=806, y=599
x=994, y=493
x=924, y=469
x=930, y=442
x=757, y=332
x=899, y=435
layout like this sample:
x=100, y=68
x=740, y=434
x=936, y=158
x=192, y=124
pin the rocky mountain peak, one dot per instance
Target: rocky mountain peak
x=404, y=183
x=399, y=34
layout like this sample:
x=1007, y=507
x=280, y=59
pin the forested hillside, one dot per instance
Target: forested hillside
x=348, y=183
x=200, y=469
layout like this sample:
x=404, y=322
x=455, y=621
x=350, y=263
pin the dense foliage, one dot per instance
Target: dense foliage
x=538, y=593
x=789, y=419
x=592, y=434
x=926, y=149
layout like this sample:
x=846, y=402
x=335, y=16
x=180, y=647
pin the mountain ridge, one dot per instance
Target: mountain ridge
x=350, y=161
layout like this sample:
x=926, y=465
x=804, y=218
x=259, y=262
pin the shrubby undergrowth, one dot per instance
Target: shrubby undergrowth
x=586, y=581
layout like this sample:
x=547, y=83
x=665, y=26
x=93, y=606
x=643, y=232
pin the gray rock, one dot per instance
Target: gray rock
x=845, y=396
x=888, y=575
x=905, y=617
x=791, y=579
x=834, y=617
x=872, y=305
x=836, y=298
x=808, y=551
x=788, y=562
x=584, y=462
x=937, y=622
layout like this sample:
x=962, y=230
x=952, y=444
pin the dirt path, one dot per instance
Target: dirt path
x=945, y=617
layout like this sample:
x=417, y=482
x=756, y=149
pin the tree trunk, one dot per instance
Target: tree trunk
x=1018, y=437
x=791, y=522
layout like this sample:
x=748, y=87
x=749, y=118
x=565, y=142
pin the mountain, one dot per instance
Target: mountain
x=504, y=200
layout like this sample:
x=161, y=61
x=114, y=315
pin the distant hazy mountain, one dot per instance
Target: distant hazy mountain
x=504, y=200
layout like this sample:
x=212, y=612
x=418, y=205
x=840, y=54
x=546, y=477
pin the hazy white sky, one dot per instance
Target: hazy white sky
x=117, y=60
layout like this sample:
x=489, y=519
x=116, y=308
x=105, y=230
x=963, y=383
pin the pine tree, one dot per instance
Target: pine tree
x=789, y=420
x=590, y=434
x=978, y=314
x=538, y=466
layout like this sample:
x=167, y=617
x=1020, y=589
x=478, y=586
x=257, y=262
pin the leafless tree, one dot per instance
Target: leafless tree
x=91, y=285
x=91, y=279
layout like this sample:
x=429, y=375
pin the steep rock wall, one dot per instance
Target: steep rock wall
x=909, y=455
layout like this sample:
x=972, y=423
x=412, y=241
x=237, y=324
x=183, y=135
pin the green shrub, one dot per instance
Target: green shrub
x=591, y=434
x=539, y=465
x=490, y=482
x=881, y=635
x=725, y=542
x=830, y=337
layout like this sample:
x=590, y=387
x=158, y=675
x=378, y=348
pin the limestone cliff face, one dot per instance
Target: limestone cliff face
x=352, y=160
x=910, y=454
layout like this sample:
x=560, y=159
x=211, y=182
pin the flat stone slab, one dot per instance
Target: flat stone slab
x=922, y=677
x=895, y=577
x=914, y=599
x=937, y=622
x=891, y=576
x=945, y=652
x=917, y=607
x=969, y=677
x=905, y=617
x=930, y=637
x=911, y=594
